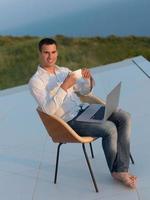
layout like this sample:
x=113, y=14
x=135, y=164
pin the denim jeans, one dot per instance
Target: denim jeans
x=115, y=134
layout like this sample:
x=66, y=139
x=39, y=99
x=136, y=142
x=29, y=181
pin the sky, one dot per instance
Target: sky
x=14, y=13
x=75, y=17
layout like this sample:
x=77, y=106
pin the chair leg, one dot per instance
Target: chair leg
x=89, y=166
x=57, y=160
x=132, y=160
x=92, y=154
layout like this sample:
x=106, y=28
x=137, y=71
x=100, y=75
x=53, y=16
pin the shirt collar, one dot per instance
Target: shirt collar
x=43, y=71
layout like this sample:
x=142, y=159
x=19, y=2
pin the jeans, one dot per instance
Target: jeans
x=115, y=134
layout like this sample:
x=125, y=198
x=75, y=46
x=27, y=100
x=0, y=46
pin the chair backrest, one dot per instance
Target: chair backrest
x=90, y=98
x=59, y=130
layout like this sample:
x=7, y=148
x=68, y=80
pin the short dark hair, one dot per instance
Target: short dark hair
x=46, y=41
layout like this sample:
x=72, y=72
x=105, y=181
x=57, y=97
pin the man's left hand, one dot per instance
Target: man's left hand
x=86, y=73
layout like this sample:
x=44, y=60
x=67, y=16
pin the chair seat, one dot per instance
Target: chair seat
x=77, y=139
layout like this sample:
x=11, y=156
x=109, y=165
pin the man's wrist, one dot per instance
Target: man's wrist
x=92, y=83
x=63, y=86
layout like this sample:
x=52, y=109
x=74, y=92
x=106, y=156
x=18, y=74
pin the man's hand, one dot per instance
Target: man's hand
x=69, y=81
x=71, y=78
x=86, y=73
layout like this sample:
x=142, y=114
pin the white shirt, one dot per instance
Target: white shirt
x=53, y=100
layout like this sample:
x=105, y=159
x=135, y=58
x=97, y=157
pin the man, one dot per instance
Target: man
x=55, y=90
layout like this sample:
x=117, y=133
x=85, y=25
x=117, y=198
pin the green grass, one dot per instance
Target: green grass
x=19, y=55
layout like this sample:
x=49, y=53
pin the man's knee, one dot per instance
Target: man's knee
x=124, y=116
x=110, y=129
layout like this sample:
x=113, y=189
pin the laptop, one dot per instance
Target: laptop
x=97, y=112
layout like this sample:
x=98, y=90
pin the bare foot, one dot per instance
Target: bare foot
x=126, y=178
x=132, y=176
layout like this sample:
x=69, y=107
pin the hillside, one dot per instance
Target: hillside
x=19, y=55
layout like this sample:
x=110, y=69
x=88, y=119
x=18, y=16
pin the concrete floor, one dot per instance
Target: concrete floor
x=27, y=154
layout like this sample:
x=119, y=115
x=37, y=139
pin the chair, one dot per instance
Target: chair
x=62, y=133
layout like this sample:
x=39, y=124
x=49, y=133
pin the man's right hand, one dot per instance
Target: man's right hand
x=68, y=82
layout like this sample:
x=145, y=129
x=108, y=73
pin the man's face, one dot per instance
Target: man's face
x=48, y=55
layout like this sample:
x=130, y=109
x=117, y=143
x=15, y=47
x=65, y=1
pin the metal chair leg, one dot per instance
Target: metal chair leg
x=132, y=160
x=89, y=166
x=92, y=154
x=57, y=160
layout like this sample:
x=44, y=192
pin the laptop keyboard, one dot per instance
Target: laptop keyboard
x=99, y=114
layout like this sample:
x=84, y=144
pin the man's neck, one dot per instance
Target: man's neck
x=51, y=69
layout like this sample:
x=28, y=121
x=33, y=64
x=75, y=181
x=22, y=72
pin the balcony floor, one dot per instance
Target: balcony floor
x=27, y=154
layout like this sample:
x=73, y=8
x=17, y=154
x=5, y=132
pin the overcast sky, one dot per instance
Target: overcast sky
x=79, y=17
x=14, y=13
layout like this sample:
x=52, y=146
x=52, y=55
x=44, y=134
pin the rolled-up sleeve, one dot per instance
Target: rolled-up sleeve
x=49, y=103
